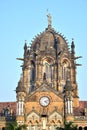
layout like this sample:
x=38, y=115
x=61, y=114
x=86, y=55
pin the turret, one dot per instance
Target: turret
x=73, y=74
x=73, y=65
x=25, y=50
x=72, y=49
x=68, y=100
x=20, y=90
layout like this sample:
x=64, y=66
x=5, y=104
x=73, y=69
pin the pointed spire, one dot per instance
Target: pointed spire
x=25, y=46
x=25, y=49
x=72, y=44
x=49, y=17
x=73, y=48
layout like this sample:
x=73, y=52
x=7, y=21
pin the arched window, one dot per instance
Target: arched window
x=65, y=70
x=3, y=128
x=85, y=128
x=80, y=128
x=48, y=70
x=32, y=75
x=32, y=72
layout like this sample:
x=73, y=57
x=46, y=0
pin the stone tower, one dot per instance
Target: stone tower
x=47, y=90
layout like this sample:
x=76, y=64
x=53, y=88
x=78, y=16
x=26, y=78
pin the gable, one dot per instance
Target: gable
x=54, y=97
x=46, y=90
x=32, y=115
x=55, y=115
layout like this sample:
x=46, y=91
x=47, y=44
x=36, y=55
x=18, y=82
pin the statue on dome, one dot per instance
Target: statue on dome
x=49, y=18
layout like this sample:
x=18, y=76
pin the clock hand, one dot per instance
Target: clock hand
x=45, y=101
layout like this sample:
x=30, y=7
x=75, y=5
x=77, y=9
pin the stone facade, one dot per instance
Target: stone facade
x=47, y=92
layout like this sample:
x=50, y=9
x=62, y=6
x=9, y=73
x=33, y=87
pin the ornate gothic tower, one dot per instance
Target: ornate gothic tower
x=47, y=90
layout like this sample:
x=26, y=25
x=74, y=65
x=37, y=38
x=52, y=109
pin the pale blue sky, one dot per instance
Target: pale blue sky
x=21, y=20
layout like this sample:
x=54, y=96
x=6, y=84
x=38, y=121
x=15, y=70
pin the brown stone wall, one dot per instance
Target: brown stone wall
x=33, y=103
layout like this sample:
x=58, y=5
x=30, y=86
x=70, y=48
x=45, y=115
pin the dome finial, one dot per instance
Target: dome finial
x=49, y=17
x=72, y=39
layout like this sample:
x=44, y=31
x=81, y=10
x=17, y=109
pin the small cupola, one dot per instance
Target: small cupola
x=68, y=86
x=20, y=87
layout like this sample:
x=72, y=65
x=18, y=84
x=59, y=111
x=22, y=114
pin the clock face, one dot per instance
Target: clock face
x=44, y=101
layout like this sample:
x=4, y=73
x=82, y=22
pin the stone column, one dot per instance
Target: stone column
x=44, y=123
x=55, y=76
x=29, y=84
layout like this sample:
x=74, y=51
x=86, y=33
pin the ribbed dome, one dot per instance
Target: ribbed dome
x=48, y=39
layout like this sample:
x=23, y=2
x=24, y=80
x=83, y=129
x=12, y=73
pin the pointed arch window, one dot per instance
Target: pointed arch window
x=48, y=70
x=65, y=69
x=32, y=72
x=32, y=76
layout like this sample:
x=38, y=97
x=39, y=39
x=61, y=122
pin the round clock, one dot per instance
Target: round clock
x=44, y=101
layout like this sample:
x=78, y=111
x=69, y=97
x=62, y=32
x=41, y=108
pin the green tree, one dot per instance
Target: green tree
x=11, y=126
x=14, y=126
x=68, y=126
x=22, y=127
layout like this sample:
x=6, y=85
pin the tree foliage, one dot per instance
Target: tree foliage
x=14, y=126
x=68, y=126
